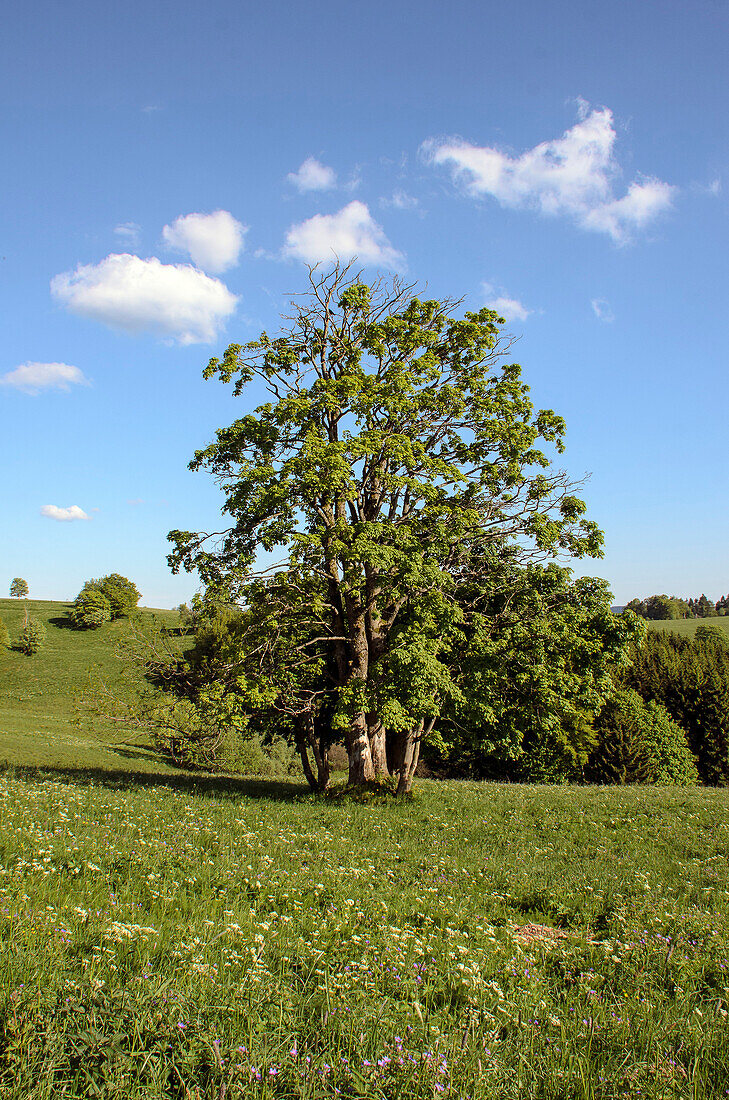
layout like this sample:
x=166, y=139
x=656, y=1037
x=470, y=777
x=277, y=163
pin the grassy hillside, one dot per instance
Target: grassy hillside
x=169, y=936
x=41, y=712
x=240, y=940
x=688, y=627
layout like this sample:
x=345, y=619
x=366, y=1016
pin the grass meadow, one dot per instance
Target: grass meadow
x=687, y=627
x=166, y=934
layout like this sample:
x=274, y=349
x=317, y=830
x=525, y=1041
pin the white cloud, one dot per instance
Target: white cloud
x=63, y=515
x=511, y=309
x=571, y=176
x=602, y=310
x=135, y=295
x=213, y=241
x=401, y=201
x=313, y=176
x=31, y=378
x=129, y=233
x=350, y=232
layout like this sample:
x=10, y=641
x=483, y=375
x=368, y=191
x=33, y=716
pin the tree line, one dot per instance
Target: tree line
x=673, y=607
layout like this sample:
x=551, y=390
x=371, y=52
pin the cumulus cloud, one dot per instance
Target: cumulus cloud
x=213, y=241
x=602, y=309
x=31, y=378
x=170, y=300
x=313, y=176
x=572, y=176
x=63, y=515
x=351, y=232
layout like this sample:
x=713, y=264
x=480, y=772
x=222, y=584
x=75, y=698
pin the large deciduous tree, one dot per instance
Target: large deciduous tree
x=396, y=460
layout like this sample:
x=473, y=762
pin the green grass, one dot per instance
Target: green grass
x=179, y=936
x=688, y=627
x=216, y=938
x=41, y=697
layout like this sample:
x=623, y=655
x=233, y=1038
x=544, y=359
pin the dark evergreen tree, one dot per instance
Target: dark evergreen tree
x=690, y=678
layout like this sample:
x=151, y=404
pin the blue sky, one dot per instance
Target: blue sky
x=170, y=167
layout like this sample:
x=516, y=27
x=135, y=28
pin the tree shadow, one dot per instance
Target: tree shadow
x=62, y=622
x=222, y=787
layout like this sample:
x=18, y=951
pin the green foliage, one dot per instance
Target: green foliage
x=534, y=666
x=212, y=732
x=101, y=601
x=702, y=608
x=91, y=608
x=639, y=743
x=18, y=587
x=398, y=455
x=667, y=607
x=32, y=636
x=690, y=678
x=122, y=594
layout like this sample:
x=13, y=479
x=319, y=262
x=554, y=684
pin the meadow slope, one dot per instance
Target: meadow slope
x=43, y=717
x=173, y=935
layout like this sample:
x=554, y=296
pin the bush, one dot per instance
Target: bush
x=638, y=742
x=101, y=600
x=32, y=637
x=212, y=732
x=122, y=594
x=91, y=608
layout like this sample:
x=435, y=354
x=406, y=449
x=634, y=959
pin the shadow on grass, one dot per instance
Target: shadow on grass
x=211, y=786
x=63, y=622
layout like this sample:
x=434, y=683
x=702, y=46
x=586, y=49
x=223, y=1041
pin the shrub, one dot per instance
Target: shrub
x=212, y=732
x=104, y=599
x=32, y=636
x=91, y=608
x=638, y=742
x=122, y=594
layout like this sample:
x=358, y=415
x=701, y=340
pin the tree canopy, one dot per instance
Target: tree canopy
x=402, y=474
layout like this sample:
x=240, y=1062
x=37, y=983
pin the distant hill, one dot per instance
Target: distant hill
x=42, y=717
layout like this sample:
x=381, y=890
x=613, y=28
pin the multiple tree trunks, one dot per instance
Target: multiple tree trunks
x=307, y=739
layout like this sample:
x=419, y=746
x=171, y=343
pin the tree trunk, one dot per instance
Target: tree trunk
x=408, y=753
x=306, y=739
x=305, y=763
x=361, y=768
x=321, y=756
x=378, y=747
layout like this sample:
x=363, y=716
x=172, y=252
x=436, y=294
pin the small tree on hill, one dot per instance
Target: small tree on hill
x=91, y=608
x=32, y=636
x=122, y=594
x=18, y=588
